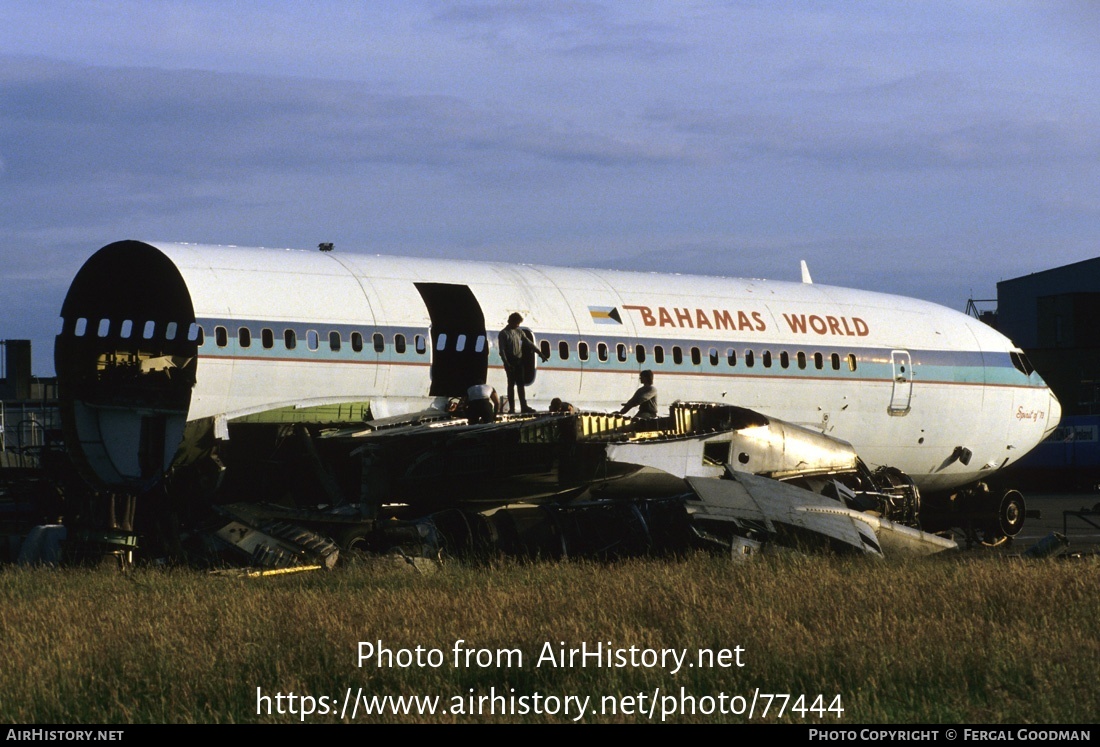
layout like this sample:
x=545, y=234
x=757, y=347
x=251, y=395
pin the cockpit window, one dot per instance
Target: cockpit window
x=1022, y=364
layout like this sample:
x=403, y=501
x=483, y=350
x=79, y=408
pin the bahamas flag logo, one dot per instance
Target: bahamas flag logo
x=605, y=315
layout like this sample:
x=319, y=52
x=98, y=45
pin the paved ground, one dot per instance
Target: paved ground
x=1052, y=506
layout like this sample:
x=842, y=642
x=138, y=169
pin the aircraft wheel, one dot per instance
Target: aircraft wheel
x=356, y=538
x=1007, y=520
x=1010, y=513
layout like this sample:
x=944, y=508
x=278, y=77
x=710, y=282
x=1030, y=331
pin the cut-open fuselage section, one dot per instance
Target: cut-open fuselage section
x=126, y=359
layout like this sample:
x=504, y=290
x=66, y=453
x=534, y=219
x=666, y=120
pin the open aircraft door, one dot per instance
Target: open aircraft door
x=530, y=360
x=902, y=392
x=460, y=349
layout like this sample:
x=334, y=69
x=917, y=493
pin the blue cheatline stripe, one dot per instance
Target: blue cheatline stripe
x=873, y=364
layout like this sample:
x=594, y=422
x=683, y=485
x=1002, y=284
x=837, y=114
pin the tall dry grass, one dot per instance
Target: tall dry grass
x=939, y=640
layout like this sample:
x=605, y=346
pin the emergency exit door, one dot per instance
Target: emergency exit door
x=902, y=392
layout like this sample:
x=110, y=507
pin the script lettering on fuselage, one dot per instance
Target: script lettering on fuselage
x=851, y=326
x=1033, y=415
x=677, y=316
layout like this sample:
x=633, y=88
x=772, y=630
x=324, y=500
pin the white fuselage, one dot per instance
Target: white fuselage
x=908, y=383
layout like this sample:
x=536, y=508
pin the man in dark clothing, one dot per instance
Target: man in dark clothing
x=645, y=398
x=511, y=343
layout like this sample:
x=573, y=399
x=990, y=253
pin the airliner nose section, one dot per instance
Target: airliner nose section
x=1054, y=415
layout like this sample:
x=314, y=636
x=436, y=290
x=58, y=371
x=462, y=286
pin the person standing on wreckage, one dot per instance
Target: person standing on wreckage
x=511, y=343
x=645, y=398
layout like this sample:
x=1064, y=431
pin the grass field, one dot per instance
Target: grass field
x=950, y=639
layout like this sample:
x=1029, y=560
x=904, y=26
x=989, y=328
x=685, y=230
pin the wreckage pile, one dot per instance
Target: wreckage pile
x=585, y=485
x=740, y=515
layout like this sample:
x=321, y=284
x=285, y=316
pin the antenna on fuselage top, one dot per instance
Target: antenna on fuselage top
x=806, y=274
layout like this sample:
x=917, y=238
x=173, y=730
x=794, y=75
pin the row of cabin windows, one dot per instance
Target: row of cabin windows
x=714, y=356
x=170, y=330
x=335, y=340
x=603, y=351
x=127, y=329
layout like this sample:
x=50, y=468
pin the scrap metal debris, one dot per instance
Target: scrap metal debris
x=426, y=487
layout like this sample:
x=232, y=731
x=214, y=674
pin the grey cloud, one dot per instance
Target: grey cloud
x=575, y=29
x=863, y=132
x=76, y=121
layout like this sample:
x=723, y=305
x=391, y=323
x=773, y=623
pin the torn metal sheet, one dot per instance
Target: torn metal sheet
x=767, y=510
x=894, y=539
x=704, y=438
x=279, y=544
x=709, y=440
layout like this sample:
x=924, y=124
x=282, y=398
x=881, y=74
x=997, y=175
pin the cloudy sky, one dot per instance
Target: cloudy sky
x=929, y=149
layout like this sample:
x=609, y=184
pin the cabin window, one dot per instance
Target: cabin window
x=819, y=361
x=731, y=357
x=244, y=337
x=313, y=340
x=104, y=327
x=620, y=352
x=460, y=343
x=601, y=352
x=170, y=331
x=802, y=360
x=290, y=339
x=696, y=356
x=421, y=346
x=80, y=327
x=149, y=330
x=835, y=360
x=334, y=341
x=677, y=355
x=851, y=361
x=267, y=338
x=766, y=359
x=750, y=359
x=563, y=349
x=712, y=354
x=639, y=353
x=195, y=334
x=380, y=342
x=357, y=342
x=658, y=354
x=544, y=348
x=126, y=329
x=582, y=350
x=399, y=343
x=479, y=343
x=784, y=359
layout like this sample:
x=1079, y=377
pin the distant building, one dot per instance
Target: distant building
x=1053, y=316
x=28, y=404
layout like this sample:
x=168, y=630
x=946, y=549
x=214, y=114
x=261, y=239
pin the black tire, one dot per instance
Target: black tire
x=1011, y=512
x=1007, y=519
x=356, y=538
